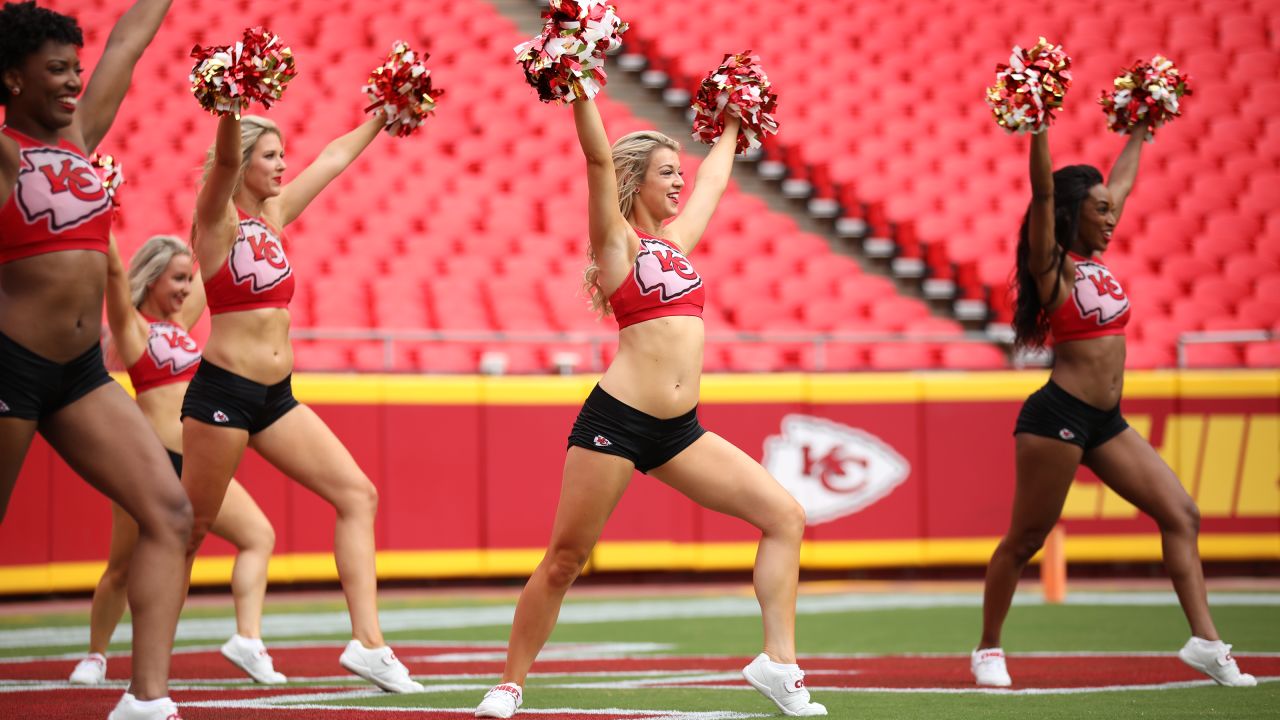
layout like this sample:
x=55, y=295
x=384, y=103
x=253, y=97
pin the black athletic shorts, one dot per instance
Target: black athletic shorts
x=176, y=459
x=33, y=388
x=223, y=398
x=606, y=424
x=1055, y=413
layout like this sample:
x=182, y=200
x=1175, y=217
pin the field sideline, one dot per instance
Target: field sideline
x=870, y=650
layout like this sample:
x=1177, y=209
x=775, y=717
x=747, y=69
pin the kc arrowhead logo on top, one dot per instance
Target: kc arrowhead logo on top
x=170, y=346
x=833, y=470
x=664, y=269
x=258, y=257
x=1102, y=296
x=60, y=186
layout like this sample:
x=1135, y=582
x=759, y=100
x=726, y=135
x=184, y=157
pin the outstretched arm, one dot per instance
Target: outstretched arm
x=105, y=91
x=128, y=329
x=336, y=156
x=1042, y=260
x=193, y=307
x=712, y=180
x=606, y=225
x=214, y=218
x=1124, y=173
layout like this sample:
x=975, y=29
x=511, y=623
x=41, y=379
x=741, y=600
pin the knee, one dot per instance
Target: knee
x=168, y=517
x=564, y=564
x=360, y=498
x=1183, y=519
x=787, y=519
x=116, y=577
x=1024, y=545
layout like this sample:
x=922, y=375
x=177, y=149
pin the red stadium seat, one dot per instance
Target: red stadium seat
x=1218, y=355
x=1262, y=355
x=972, y=356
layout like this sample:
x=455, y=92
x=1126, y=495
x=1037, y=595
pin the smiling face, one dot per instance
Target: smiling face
x=659, y=191
x=264, y=175
x=48, y=84
x=170, y=290
x=1097, y=221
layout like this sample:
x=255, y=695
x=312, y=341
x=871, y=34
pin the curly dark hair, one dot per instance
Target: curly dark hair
x=1070, y=190
x=24, y=27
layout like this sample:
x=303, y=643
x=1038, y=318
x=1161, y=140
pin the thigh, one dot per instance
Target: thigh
x=717, y=475
x=105, y=439
x=1129, y=465
x=303, y=447
x=1045, y=469
x=240, y=519
x=210, y=457
x=15, y=440
x=590, y=489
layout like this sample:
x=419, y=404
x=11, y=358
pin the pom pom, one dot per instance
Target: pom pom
x=740, y=83
x=1150, y=91
x=110, y=174
x=1030, y=87
x=401, y=87
x=565, y=62
x=226, y=79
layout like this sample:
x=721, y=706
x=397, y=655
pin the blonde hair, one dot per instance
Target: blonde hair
x=631, y=155
x=148, y=264
x=252, y=128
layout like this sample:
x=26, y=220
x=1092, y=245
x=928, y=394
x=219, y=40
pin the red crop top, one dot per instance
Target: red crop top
x=257, y=272
x=662, y=283
x=1097, y=306
x=171, y=356
x=57, y=204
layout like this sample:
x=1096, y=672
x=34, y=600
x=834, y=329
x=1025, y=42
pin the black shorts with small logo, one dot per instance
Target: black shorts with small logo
x=607, y=425
x=222, y=398
x=33, y=388
x=1055, y=413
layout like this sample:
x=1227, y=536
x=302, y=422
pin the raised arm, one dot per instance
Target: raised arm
x=336, y=156
x=606, y=225
x=708, y=187
x=105, y=91
x=1124, y=173
x=193, y=307
x=1042, y=260
x=215, y=219
x=128, y=328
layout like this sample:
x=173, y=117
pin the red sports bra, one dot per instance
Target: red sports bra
x=57, y=204
x=171, y=356
x=662, y=283
x=257, y=272
x=1097, y=306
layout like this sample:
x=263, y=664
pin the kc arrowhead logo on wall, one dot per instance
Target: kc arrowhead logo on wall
x=832, y=469
x=61, y=186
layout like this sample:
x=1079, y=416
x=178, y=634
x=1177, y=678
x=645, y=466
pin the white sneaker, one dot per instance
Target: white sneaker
x=988, y=667
x=251, y=656
x=501, y=702
x=1213, y=658
x=783, y=684
x=92, y=670
x=380, y=667
x=131, y=708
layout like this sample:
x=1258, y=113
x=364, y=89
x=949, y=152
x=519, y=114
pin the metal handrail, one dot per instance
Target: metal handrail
x=1215, y=337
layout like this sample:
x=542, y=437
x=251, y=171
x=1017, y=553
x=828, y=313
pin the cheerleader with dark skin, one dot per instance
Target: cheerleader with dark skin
x=54, y=224
x=1067, y=293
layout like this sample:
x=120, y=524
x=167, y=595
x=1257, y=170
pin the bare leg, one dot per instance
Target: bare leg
x=1045, y=469
x=592, y=486
x=15, y=439
x=301, y=446
x=1129, y=465
x=105, y=438
x=110, y=597
x=718, y=476
x=243, y=524
x=209, y=459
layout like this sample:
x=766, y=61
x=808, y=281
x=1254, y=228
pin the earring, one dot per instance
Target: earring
x=15, y=90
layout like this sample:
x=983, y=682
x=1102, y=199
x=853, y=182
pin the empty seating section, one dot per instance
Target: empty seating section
x=881, y=107
x=477, y=225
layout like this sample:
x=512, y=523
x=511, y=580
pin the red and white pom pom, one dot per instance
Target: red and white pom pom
x=739, y=83
x=226, y=79
x=110, y=174
x=401, y=87
x=565, y=62
x=1030, y=88
x=1150, y=91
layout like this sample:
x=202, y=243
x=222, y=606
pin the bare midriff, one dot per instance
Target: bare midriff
x=51, y=304
x=253, y=344
x=163, y=408
x=658, y=368
x=1091, y=370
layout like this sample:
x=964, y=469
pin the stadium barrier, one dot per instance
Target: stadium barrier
x=894, y=469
